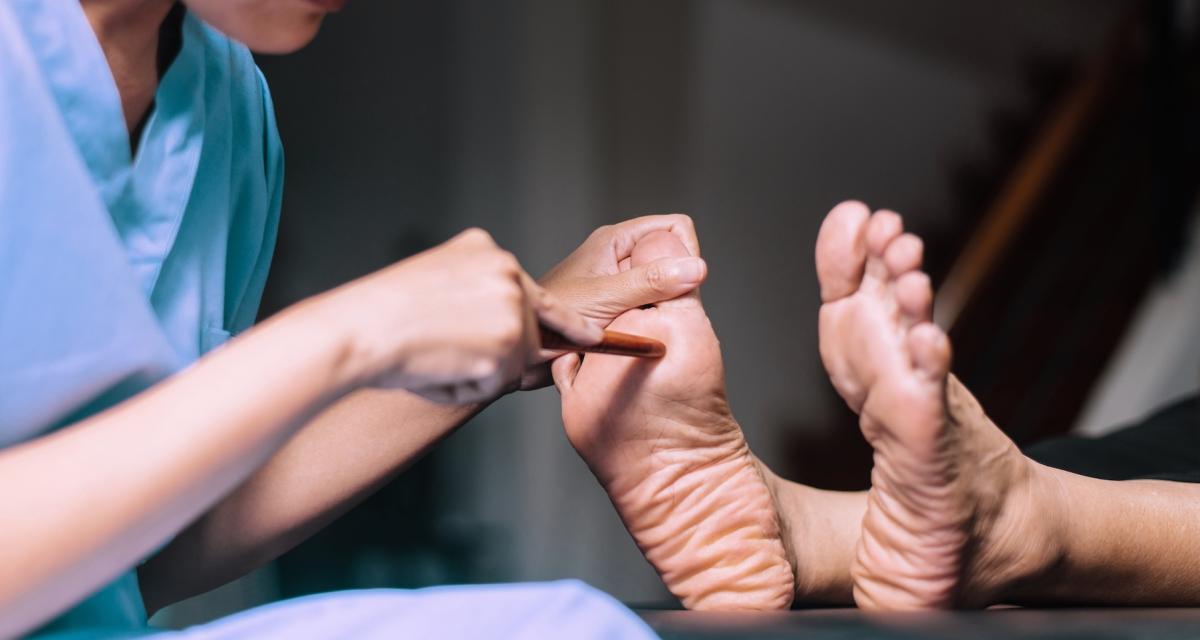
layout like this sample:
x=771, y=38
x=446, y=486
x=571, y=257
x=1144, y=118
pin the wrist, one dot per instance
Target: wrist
x=328, y=333
x=1046, y=517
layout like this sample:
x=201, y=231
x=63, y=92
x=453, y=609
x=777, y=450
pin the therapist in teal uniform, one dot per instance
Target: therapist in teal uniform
x=153, y=444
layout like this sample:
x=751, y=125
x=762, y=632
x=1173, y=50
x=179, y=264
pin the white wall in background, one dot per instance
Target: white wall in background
x=1158, y=360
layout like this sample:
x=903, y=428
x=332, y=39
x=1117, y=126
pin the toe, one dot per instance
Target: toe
x=904, y=254
x=654, y=246
x=930, y=349
x=841, y=250
x=884, y=227
x=914, y=293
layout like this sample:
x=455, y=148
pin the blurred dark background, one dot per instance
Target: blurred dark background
x=1045, y=149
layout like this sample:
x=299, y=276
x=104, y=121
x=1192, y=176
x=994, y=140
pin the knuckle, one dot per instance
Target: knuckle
x=503, y=262
x=654, y=278
x=509, y=294
x=476, y=235
x=485, y=368
x=603, y=231
x=683, y=219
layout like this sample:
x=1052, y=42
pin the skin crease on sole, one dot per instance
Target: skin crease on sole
x=660, y=438
x=951, y=517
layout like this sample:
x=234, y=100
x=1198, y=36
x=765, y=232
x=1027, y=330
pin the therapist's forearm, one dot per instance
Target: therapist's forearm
x=82, y=504
x=341, y=457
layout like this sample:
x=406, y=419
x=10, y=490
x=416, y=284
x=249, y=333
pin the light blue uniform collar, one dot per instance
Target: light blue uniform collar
x=164, y=169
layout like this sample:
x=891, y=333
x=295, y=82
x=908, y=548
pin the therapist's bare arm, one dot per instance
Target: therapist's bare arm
x=90, y=500
x=341, y=457
x=361, y=442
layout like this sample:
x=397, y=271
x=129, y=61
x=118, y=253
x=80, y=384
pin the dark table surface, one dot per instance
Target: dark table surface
x=851, y=624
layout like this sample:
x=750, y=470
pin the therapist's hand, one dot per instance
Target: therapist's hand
x=597, y=280
x=457, y=323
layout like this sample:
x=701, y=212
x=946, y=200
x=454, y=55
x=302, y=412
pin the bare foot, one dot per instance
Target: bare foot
x=660, y=437
x=953, y=516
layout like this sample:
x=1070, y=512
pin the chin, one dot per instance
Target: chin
x=265, y=26
x=288, y=37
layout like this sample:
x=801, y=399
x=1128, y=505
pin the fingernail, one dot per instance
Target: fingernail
x=687, y=270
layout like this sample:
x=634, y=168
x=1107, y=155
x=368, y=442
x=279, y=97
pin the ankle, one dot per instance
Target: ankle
x=1037, y=538
x=1019, y=531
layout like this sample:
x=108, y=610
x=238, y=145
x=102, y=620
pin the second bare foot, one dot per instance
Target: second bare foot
x=956, y=514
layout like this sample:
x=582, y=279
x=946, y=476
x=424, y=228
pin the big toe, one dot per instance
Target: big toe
x=660, y=245
x=656, y=245
x=842, y=250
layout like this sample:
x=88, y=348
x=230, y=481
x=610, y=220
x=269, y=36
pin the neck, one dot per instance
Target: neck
x=128, y=32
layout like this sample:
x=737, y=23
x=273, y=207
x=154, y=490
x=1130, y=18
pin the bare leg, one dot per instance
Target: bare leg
x=956, y=515
x=822, y=527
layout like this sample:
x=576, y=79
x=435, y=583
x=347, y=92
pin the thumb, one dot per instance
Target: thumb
x=558, y=316
x=650, y=283
x=563, y=370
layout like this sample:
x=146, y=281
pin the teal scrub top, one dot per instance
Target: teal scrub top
x=116, y=270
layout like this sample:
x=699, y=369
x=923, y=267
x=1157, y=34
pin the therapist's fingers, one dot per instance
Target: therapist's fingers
x=663, y=279
x=564, y=369
x=556, y=315
x=625, y=235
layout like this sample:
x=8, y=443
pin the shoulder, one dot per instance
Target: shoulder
x=233, y=78
x=244, y=151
